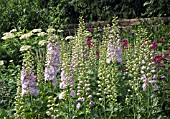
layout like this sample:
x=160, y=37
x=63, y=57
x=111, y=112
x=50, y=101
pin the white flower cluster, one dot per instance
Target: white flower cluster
x=25, y=36
x=25, y=48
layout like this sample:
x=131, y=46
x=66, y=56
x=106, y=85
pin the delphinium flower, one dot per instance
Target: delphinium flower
x=52, y=61
x=147, y=81
x=163, y=77
x=66, y=94
x=114, y=49
x=67, y=78
x=77, y=46
x=28, y=83
x=107, y=90
x=28, y=79
x=75, y=55
x=141, y=71
x=81, y=64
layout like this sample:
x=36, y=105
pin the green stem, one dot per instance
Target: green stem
x=148, y=106
x=134, y=114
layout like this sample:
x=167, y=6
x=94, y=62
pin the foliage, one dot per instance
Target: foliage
x=156, y=7
x=21, y=14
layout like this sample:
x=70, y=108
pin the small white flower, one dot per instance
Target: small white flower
x=153, y=71
x=100, y=99
x=61, y=95
x=63, y=85
x=72, y=93
x=1, y=62
x=10, y=60
x=78, y=106
x=108, y=60
x=143, y=67
x=48, y=113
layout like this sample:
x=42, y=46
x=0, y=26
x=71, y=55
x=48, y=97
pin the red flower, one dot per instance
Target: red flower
x=161, y=40
x=89, y=42
x=166, y=55
x=91, y=29
x=154, y=45
x=160, y=65
x=124, y=42
x=97, y=53
x=158, y=59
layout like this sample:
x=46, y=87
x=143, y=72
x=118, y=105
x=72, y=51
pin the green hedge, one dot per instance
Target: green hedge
x=30, y=14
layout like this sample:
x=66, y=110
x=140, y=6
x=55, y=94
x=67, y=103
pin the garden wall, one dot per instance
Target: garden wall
x=70, y=29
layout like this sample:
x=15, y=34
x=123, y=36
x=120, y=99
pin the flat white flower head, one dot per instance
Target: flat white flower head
x=41, y=34
x=27, y=35
x=24, y=48
x=8, y=35
x=51, y=30
x=69, y=38
x=13, y=30
x=42, y=42
x=36, y=30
